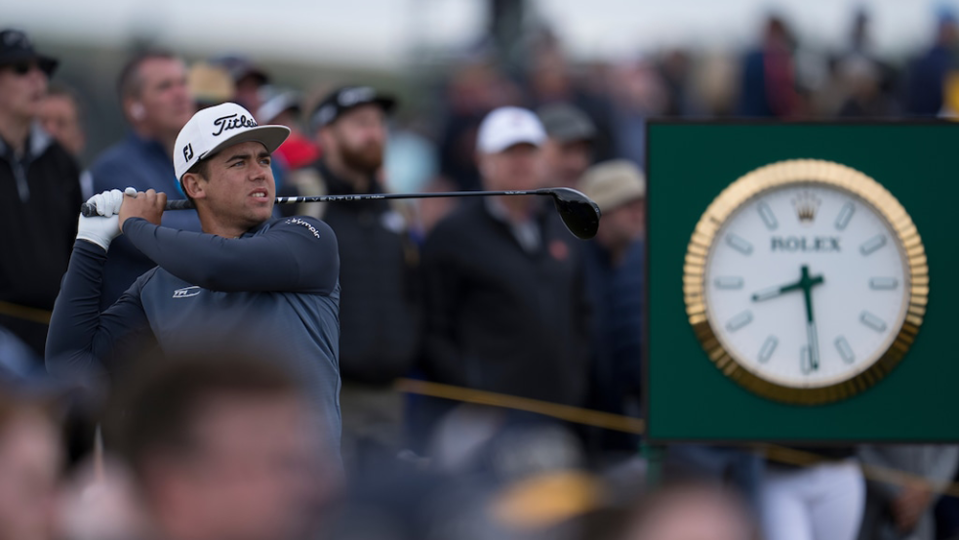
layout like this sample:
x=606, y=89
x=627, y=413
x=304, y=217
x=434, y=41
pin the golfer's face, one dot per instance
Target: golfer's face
x=241, y=186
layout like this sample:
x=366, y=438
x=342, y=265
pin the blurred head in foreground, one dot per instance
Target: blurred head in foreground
x=30, y=465
x=691, y=511
x=224, y=446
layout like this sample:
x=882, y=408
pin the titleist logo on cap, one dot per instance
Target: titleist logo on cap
x=227, y=123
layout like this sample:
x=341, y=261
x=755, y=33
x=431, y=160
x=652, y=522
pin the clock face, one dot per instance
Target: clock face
x=806, y=285
x=805, y=281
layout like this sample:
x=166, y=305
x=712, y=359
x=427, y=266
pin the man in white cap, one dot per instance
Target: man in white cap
x=246, y=278
x=504, y=284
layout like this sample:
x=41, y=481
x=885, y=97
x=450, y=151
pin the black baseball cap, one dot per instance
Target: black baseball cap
x=15, y=47
x=346, y=98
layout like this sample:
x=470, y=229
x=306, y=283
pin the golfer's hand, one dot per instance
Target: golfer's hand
x=149, y=206
x=102, y=228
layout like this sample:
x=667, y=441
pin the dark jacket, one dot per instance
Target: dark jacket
x=142, y=164
x=503, y=319
x=39, y=205
x=379, y=318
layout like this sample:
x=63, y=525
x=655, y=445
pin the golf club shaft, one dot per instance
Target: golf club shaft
x=186, y=204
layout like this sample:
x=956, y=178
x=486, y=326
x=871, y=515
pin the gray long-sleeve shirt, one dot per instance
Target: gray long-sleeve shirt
x=276, y=286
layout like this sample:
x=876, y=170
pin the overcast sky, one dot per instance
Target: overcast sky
x=385, y=33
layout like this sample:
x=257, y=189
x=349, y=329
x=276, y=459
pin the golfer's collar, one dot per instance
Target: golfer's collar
x=256, y=229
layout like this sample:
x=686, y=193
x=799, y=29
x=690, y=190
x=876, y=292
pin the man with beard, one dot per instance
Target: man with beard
x=379, y=320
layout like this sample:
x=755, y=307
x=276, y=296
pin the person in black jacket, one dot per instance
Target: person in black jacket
x=379, y=320
x=39, y=194
x=505, y=296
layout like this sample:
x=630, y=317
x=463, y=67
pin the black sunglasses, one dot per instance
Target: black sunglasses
x=22, y=68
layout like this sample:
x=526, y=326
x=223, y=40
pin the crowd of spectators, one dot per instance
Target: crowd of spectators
x=491, y=294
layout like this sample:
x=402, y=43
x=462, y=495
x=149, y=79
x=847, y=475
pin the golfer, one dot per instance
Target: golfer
x=246, y=279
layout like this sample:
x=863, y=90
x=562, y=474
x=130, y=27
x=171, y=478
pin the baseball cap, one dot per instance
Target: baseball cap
x=15, y=46
x=215, y=128
x=276, y=101
x=613, y=183
x=508, y=126
x=343, y=99
x=566, y=123
x=240, y=67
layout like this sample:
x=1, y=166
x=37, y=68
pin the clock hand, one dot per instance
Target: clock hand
x=773, y=292
x=811, y=357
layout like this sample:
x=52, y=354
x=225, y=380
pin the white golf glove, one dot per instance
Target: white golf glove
x=102, y=229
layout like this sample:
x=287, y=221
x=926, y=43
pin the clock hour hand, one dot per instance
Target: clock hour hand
x=773, y=292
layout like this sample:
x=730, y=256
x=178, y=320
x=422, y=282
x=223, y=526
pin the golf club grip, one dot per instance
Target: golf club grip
x=88, y=210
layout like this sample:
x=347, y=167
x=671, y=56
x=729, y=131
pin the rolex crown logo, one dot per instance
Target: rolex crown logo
x=806, y=205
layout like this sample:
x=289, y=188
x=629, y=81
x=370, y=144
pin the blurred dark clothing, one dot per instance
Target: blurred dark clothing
x=925, y=80
x=142, y=164
x=457, y=146
x=617, y=294
x=937, y=463
x=39, y=205
x=379, y=316
x=768, y=83
x=501, y=317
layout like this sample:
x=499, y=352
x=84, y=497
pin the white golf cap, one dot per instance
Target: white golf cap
x=508, y=126
x=215, y=128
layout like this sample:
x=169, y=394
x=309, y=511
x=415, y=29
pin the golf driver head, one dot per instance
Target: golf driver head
x=578, y=212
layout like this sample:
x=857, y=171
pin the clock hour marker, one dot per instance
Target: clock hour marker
x=767, y=214
x=844, y=216
x=768, y=347
x=883, y=283
x=739, y=321
x=872, y=321
x=845, y=351
x=739, y=244
x=729, y=282
x=872, y=244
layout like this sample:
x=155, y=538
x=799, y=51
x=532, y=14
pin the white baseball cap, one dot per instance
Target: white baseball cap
x=508, y=126
x=215, y=128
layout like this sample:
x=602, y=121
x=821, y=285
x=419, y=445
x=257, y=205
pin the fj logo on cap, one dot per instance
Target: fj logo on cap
x=226, y=123
x=188, y=152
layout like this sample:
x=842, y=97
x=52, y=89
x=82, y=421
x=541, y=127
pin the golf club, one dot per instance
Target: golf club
x=578, y=212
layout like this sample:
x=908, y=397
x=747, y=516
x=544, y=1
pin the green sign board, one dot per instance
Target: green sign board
x=688, y=398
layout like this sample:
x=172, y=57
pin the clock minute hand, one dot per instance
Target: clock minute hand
x=806, y=283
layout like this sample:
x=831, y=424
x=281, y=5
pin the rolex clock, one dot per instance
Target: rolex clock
x=805, y=281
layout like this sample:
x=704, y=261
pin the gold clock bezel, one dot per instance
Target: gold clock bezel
x=782, y=174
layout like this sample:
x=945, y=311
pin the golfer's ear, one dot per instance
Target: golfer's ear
x=193, y=186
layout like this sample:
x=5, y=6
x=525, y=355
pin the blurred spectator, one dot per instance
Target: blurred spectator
x=282, y=107
x=506, y=306
x=248, y=80
x=691, y=512
x=30, y=463
x=379, y=317
x=926, y=75
x=209, y=85
x=895, y=511
x=550, y=80
x=769, y=75
x=62, y=117
x=615, y=272
x=639, y=94
x=474, y=89
x=568, y=151
x=862, y=81
x=222, y=446
x=39, y=193
x=824, y=501
x=156, y=102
